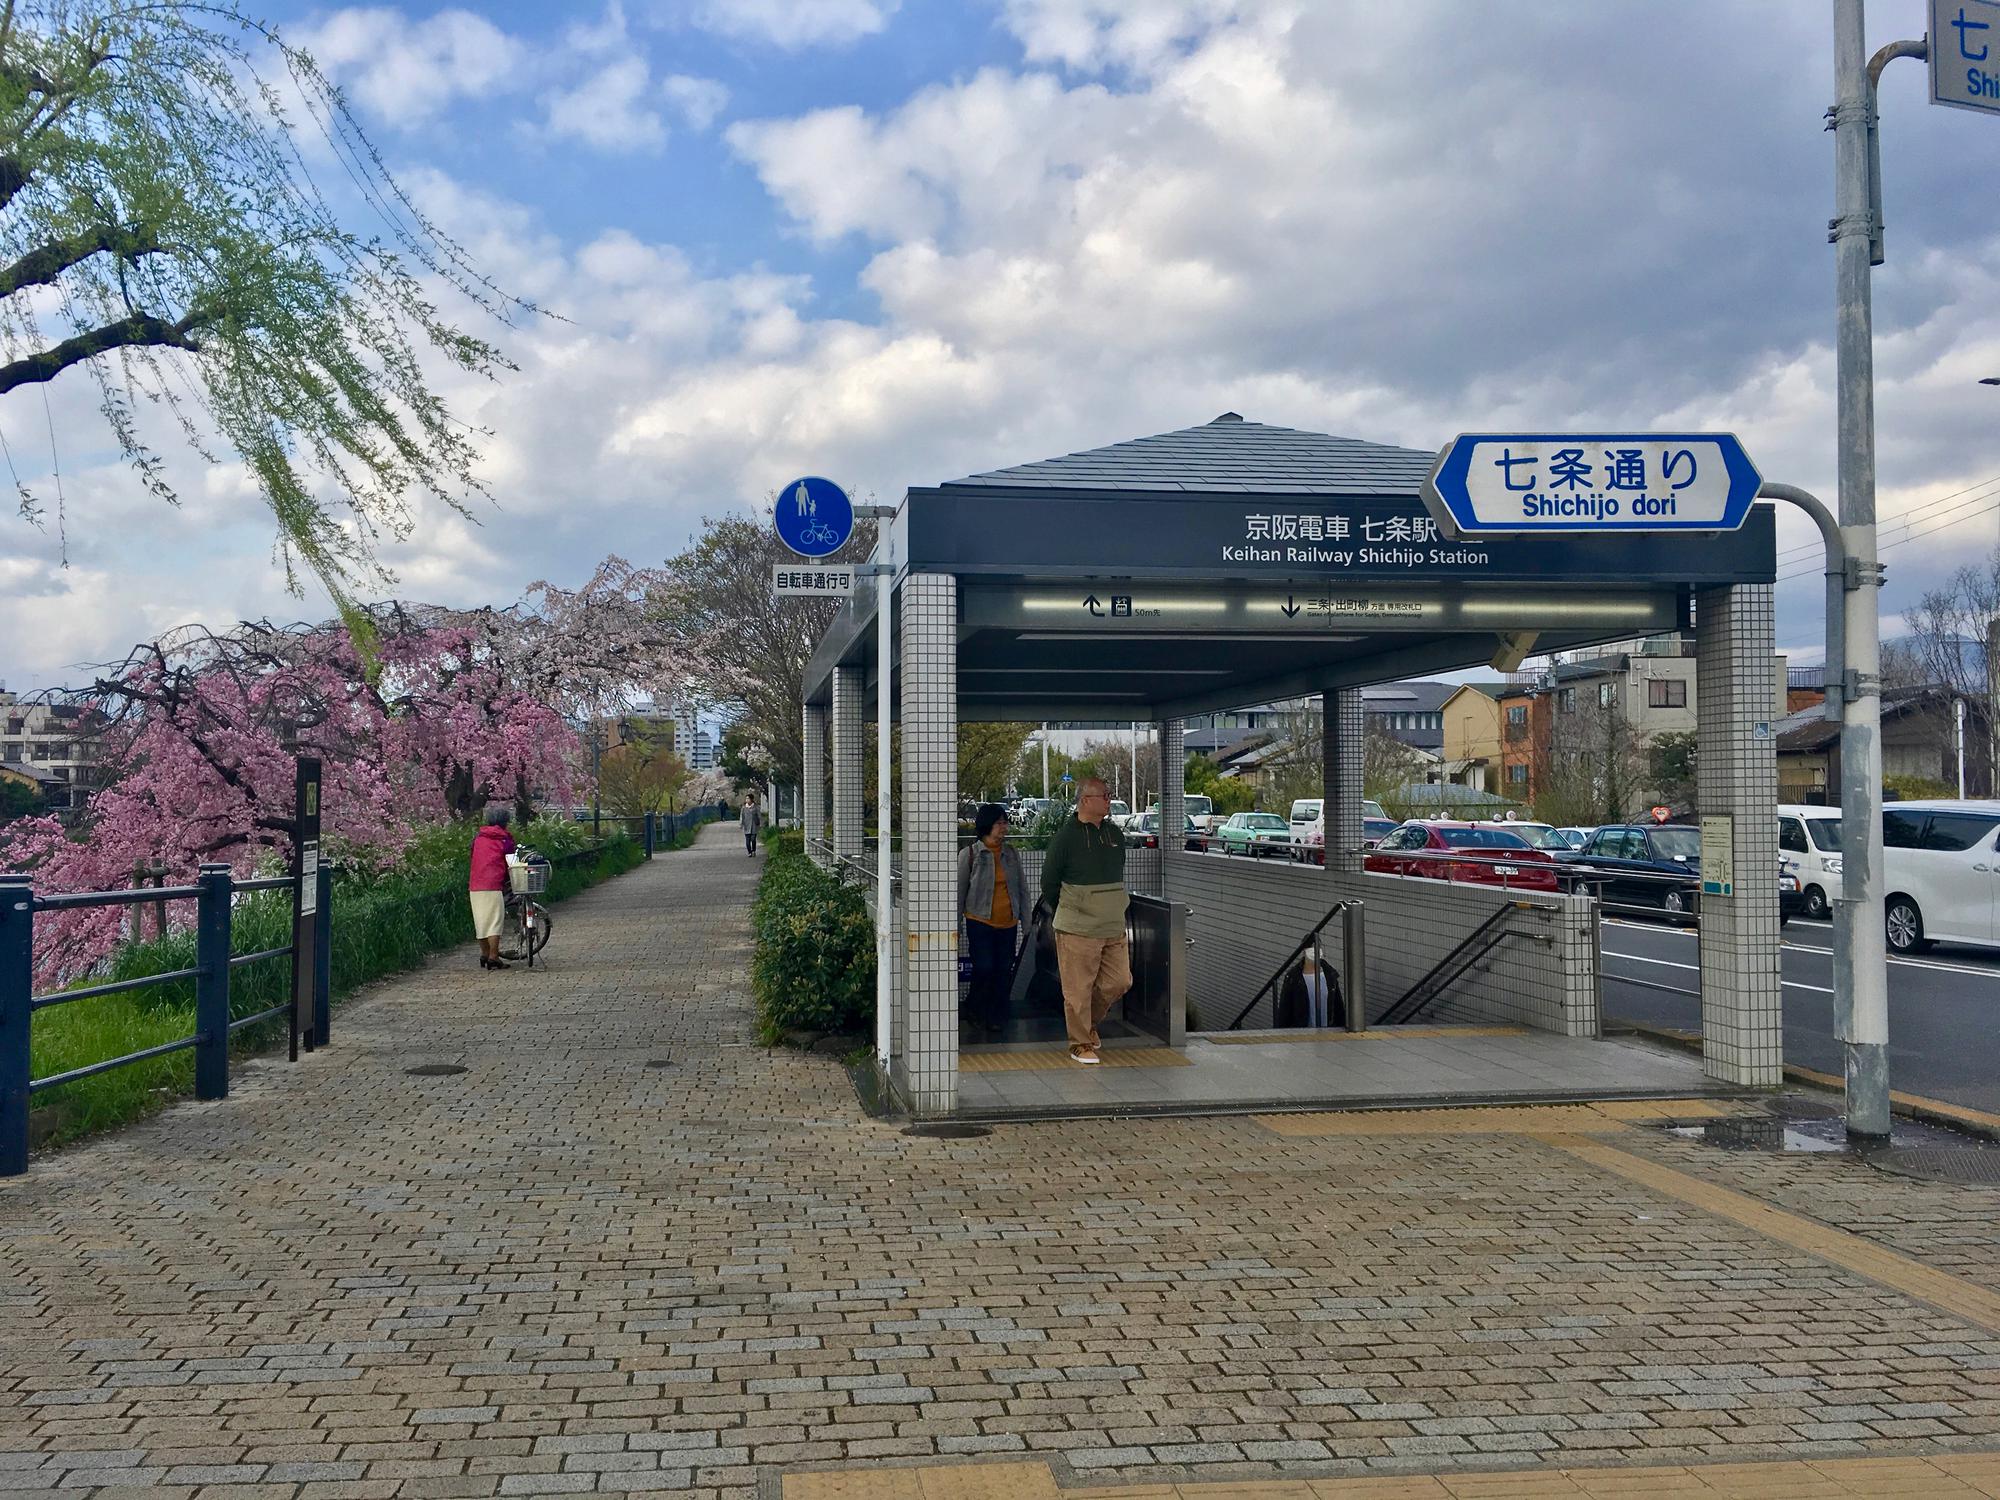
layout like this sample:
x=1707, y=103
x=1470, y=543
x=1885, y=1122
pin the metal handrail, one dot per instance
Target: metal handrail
x=112, y=987
x=72, y=900
x=1394, y=1015
x=1290, y=958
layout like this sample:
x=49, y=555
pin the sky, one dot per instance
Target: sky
x=899, y=241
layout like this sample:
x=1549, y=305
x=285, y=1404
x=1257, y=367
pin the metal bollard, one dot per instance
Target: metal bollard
x=649, y=835
x=211, y=986
x=1354, y=949
x=323, y=958
x=17, y=992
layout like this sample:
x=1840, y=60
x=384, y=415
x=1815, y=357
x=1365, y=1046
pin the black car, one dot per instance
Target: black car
x=1644, y=864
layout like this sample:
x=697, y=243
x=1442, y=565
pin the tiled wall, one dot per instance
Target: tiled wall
x=1742, y=1019
x=812, y=813
x=1247, y=915
x=1173, y=773
x=848, y=768
x=1344, y=750
x=926, y=1064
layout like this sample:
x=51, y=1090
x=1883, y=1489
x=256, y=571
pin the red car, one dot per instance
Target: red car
x=1482, y=855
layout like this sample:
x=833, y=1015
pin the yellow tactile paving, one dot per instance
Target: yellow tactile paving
x=1952, y=1294
x=1380, y=1034
x=1524, y=1119
x=1965, y=1475
x=1052, y=1059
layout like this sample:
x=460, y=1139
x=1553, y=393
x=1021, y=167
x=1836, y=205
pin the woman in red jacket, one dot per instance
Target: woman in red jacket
x=490, y=848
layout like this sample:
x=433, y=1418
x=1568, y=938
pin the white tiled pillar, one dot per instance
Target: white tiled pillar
x=1344, y=750
x=927, y=668
x=849, y=684
x=1742, y=1019
x=812, y=788
x=1173, y=785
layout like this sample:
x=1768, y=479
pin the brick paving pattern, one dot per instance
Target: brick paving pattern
x=565, y=1271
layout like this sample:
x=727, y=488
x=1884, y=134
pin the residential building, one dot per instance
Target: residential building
x=1919, y=742
x=1612, y=700
x=60, y=739
x=1412, y=712
x=1472, y=736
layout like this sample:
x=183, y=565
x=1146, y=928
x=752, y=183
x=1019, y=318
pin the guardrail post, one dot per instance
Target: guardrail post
x=17, y=991
x=211, y=986
x=649, y=835
x=1354, y=952
x=323, y=957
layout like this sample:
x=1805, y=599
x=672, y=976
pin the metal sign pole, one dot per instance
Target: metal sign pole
x=1861, y=974
x=884, y=569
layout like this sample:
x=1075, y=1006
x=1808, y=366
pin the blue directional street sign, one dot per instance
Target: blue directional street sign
x=814, y=517
x=1965, y=54
x=1512, y=483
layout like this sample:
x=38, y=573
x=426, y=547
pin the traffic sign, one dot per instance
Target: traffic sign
x=813, y=516
x=1965, y=54
x=1515, y=483
x=821, y=583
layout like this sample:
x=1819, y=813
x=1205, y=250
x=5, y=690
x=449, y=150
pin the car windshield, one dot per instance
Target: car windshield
x=1677, y=843
x=1540, y=838
x=1825, y=833
x=1197, y=806
x=1482, y=838
x=1263, y=820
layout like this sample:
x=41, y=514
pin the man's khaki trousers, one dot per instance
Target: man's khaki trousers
x=1096, y=973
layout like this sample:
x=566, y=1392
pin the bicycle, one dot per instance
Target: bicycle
x=818, y=534
x=525, y=930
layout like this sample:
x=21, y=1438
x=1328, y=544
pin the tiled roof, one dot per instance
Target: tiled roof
x=1232, y=456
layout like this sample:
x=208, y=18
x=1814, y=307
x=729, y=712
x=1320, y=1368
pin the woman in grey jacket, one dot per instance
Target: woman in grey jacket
x=992, y=893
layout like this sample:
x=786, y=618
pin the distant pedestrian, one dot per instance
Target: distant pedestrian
x=1083, y=880
x=753, y=819
x=991, y=890
x=488, y=892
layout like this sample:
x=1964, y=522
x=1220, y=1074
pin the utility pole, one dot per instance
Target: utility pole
x=1861, y=975
x=1045, y=760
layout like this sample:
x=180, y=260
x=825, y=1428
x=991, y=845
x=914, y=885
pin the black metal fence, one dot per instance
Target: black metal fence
x=214, y=893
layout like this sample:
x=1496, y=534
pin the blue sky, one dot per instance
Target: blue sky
x=899, y=242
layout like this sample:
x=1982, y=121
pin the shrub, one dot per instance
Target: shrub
x=814, y=967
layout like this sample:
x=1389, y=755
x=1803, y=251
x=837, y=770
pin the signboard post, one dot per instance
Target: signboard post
x=1965, y=54
x=305, y=904
x=1516, y=484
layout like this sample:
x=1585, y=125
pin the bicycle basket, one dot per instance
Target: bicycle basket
x=528, y=880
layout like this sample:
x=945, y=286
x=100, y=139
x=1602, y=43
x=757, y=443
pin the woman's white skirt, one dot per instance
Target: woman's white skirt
x=488, y=909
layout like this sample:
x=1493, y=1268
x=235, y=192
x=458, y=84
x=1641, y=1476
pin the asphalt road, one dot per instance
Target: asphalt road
x=1943, y=1040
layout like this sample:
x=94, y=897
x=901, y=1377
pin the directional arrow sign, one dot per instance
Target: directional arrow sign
x=1496, y=484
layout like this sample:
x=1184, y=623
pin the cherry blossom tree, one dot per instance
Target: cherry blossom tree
x=417, y=714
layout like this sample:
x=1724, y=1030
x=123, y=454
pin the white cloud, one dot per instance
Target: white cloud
x=612, y=109
x=790, y=24
x=696, y=100
x=1093, y=35
x=406, y=71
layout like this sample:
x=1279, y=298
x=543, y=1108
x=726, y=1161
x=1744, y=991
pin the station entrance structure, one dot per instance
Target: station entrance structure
x=1232, y=564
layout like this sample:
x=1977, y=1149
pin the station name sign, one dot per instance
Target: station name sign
x=1519, y=483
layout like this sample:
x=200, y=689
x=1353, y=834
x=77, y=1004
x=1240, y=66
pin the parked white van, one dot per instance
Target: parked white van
x=1940, y=874
x=1810, y=838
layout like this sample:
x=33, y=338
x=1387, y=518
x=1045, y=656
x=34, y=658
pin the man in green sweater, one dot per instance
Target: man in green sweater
x=1083, y=882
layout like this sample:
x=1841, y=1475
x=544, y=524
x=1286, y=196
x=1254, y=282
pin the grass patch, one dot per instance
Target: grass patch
x=382, y=923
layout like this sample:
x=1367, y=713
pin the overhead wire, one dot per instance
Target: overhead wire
x=1916, y=512
x=1987, y=507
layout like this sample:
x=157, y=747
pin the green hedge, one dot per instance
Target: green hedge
x=814, y=967
x=383, y=924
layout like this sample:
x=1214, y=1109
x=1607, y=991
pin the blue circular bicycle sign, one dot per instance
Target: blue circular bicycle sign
x=814, y=516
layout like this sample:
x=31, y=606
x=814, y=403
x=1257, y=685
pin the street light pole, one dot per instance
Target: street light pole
x=1861, y=977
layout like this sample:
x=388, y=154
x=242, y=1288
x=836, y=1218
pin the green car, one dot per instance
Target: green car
x=1255, y=834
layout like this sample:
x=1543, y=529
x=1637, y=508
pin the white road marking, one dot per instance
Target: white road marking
x=1668, y=963
x=1908, y=963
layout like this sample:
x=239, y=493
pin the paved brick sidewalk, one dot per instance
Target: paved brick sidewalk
x=565, y=1270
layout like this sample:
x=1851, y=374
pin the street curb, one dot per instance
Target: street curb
x=1908, y=1106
